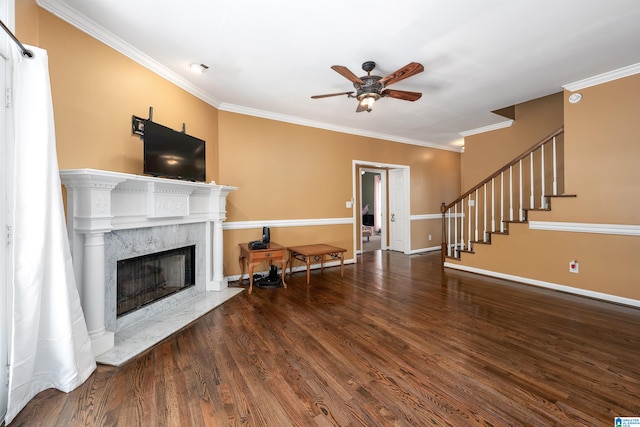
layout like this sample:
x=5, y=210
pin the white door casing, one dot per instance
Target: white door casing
x=399, y=236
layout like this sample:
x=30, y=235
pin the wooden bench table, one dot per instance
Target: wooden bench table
x=316, y=252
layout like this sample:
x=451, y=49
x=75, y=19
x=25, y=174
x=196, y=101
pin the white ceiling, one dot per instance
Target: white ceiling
x=267, y=58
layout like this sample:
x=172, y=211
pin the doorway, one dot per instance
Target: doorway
x=394, y=197
x=371, y=207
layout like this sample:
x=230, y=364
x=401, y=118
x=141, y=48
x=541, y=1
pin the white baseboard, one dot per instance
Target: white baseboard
x=548, y=285
x=423, y=250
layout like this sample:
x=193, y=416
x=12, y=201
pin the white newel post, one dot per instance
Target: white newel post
x=99, y=202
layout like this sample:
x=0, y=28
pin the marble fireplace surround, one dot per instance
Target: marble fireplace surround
x=113, y=216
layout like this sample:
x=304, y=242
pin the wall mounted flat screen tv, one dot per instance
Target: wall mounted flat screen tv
x=172, y=154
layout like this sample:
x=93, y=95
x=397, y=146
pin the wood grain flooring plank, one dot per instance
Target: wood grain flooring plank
x=396, y=342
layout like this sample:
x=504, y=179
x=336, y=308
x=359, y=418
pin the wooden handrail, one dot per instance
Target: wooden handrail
x=474, y=221
x=543, y=141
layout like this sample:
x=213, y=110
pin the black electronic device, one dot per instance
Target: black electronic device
x=258, y=244
x=172, y=154
x=266, y=235
x=271, y=281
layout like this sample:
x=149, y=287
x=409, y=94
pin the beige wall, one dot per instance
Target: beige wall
x=283, y=171
x=601, y=152
x=292, y=172
x=95, y=92
x=487, y=152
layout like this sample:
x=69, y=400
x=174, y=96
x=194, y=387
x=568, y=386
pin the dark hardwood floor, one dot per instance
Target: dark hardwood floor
x=397, y=342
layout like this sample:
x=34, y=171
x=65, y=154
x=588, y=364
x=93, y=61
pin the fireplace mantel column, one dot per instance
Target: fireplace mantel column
x=89, y=218
x=218, y=214
x=93, y=302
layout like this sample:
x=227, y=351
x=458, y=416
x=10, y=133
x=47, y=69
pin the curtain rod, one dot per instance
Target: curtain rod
x=25, y=52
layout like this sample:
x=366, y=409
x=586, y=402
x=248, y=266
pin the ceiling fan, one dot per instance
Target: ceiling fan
x=371, y=88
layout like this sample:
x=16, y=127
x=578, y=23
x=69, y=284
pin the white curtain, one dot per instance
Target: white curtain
x=49, y=342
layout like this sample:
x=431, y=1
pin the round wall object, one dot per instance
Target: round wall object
x=574, y=98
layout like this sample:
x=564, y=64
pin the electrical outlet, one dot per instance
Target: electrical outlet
x=574, y=267
x=349, y=205
x=429, y=236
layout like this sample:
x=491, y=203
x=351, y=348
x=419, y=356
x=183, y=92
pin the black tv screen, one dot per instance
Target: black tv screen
x=172, y=154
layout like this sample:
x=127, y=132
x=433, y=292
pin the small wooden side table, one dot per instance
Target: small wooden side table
x=253, y=257
x=317, y=252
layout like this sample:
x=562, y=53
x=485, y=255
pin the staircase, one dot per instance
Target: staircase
x=527, y=183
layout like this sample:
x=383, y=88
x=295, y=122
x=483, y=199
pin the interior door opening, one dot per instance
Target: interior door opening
x=371, y=208
x=389, y=195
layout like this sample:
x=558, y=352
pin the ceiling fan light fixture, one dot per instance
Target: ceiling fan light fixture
x=370, y=88
x=368, y=99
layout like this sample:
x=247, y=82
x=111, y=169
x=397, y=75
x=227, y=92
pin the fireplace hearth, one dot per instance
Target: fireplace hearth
x=145, y=279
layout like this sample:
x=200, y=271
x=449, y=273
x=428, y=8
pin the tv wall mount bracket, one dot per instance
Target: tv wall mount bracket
x=137, y=124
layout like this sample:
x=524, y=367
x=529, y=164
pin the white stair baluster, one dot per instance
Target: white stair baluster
x=555, y=169
x=502, y=202
x=462, y=218
x=532, y=203
x=520, y=213
x=543, y=200
x=455, y=230
x=484, y=215
x=448, y=213
x=469, y=224
x=476, y=235
x=510, y=193
x=493, y=204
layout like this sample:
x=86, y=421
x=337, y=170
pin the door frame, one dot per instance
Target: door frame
x=355, y=178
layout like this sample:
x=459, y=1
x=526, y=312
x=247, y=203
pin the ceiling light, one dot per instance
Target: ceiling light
x=198, y=68
x=368, y=99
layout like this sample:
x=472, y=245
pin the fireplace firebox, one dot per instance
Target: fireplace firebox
x=148, y=278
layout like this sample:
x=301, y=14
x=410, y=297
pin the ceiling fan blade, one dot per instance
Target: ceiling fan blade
x=331, y=94
x=401, y=94
x=344, y=72
x=401, y=74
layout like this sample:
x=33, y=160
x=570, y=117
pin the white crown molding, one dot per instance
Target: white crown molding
x=67, y=14
x=326, y=126
x=88, y=26
x=488, y=128
x=577, y=227
x=248, y=225
x=563, y=288
x=603, y=78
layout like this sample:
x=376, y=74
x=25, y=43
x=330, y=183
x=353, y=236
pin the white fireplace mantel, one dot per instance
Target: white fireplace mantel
x=99, y=202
